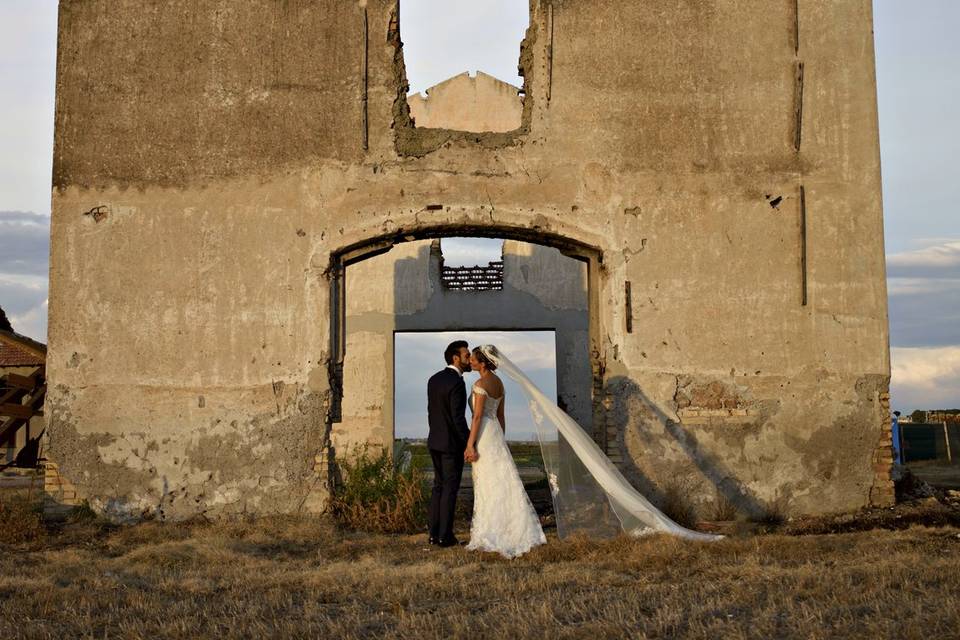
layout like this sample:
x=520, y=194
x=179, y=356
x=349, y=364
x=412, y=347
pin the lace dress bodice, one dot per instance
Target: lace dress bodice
x=491, y=404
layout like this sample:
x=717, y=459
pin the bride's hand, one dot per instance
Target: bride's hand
x=470, y=455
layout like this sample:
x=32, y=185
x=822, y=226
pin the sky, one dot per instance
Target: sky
x=534, y=352
x=918, y=88
x=918, y=92
x=443, y=38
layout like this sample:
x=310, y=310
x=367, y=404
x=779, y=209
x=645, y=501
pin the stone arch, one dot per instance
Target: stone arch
x=340, y=259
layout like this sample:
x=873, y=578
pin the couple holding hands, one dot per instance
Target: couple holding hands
x=504, y=520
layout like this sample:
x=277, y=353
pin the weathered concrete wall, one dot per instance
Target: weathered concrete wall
x=479, y=103
x=232, y=149
x=402, y=291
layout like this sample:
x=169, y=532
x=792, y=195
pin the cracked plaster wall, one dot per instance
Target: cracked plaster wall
x=226, y=147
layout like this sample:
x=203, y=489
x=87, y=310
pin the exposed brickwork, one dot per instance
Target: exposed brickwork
x=882, y=492
x=608, y=435
x=700, y=415
x=60, y=495
x=319, y=495
x=605, y=436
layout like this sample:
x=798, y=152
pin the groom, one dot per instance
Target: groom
x=446, y=408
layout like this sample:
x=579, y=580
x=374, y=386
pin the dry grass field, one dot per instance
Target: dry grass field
x=305, y=578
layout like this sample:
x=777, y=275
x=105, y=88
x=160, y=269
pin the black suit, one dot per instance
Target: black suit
x=446, y=409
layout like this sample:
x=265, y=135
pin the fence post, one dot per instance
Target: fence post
x=946, y=439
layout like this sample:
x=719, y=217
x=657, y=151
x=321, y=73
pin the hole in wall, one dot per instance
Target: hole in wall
x=472, y=264
x=461, y=60
x=398, y=290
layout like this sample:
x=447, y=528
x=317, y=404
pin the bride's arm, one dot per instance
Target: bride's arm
x=478, y=401
x=500, y=413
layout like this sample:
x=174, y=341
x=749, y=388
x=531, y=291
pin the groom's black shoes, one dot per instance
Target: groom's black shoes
x=449, y=542
x=432, y=540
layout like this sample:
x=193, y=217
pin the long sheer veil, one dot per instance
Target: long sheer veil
x=590, y=495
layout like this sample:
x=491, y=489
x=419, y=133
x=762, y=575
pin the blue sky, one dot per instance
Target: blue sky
x=420, y=355
x=918, y=90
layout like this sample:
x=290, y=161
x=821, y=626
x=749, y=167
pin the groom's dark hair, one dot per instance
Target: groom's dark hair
x=453, y=349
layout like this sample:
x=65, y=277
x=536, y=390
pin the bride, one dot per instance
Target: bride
x=503, y=517
x=590, y=495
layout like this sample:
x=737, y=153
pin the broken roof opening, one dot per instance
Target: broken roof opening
x=462, y=63
x=445, y=38
x=471, y=264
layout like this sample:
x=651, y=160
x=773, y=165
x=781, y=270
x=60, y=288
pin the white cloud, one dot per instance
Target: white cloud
x=935, y=261
x=24, y=243
x=925, y=378
x=32, y=323
x=20, y=293
x=469, y=252
x=529, y=351
x=922, y=286
x=924, y=290
x=924, y=242
x=24, y=249
x=24, y=299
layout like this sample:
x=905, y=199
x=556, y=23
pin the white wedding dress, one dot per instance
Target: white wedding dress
x=504, y=520
x=590, y=495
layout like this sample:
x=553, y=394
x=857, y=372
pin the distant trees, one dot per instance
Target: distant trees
x=938, y=415
x=4, y=322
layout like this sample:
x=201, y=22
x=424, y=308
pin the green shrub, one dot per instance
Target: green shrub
x=375, y=495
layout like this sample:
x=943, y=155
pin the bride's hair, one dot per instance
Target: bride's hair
x=482, y=357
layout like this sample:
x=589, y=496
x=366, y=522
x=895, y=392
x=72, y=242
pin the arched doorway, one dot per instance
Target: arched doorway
x=590, y=259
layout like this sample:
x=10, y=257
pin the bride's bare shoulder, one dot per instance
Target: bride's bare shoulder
x=492, y=385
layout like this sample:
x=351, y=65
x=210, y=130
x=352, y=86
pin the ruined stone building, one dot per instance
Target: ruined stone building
x=223, y=170
x=479, y=103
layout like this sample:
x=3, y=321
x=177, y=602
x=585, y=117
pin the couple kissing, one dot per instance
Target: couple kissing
x=504, y=520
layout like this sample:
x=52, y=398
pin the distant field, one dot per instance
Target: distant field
x=525, y=454
x=938, y=473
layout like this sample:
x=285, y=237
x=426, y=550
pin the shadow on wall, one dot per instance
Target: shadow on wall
x=631, y=408
x=421, y=302
x=541, y=290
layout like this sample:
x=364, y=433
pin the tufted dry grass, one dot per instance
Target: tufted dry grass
x=21, y=520
x=304, y=578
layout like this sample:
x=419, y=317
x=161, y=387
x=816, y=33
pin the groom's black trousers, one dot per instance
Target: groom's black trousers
x=447, y=472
